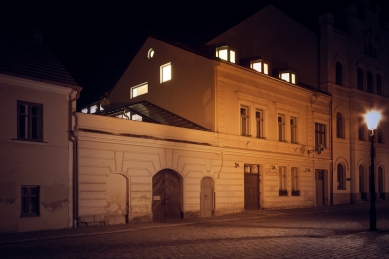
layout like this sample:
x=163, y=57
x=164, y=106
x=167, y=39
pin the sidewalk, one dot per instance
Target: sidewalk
x=12, y=238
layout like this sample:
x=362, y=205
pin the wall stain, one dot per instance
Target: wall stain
x=54, y=205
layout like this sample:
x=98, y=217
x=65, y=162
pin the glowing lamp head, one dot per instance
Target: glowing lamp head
x=372, y=118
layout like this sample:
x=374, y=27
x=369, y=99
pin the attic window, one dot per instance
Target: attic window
x=226, y=54
x=85, y=110
x=93, y=109
x=150, y=53
x=139, y=90
x=288, y=77
x=260, y=66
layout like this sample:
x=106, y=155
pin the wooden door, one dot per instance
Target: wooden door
x=167, y=196
x=251, y=191
x=319, y=188
x=207, y=197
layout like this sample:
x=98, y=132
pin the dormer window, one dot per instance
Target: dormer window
x=260, y=66
x=288, y=77
x=93, y=109
x=226, y=54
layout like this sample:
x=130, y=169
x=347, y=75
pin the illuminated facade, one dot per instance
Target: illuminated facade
x=38, y=96
x=277, y=127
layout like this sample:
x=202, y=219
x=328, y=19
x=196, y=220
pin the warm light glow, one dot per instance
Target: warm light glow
x=139, y=90
x=223, y=54
x=285, y=76
x=166, y=72
x=232, y=56
x=150, y=53
x=372, y=118
x=93, y=109
x=289, y=77
x=257, y=66
x=265, y=69
x=293, y=78
x=85, y=110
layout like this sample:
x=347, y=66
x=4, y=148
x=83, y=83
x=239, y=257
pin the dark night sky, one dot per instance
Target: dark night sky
x=96, y=41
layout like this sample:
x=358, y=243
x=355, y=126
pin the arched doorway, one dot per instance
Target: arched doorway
x=167, y=196
x=117, y=199
x=207, y=197
x=362, y=184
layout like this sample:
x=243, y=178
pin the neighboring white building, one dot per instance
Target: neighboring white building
x=36, y=155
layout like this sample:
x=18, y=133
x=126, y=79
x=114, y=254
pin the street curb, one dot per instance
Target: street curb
x=176, y=225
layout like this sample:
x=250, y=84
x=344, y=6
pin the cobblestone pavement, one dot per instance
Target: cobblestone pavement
x=311, y=233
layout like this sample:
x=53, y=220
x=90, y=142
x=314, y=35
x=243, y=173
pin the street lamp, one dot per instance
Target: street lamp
x=372, y=118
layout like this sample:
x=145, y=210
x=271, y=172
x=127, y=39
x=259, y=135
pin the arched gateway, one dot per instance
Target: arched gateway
x=167, y=196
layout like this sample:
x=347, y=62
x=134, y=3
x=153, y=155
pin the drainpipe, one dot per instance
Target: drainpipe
x=72, y=139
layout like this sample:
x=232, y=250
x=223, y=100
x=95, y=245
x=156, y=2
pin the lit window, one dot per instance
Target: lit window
x=166, y=72
x=260, y=66
x=289, y=77
x=139, y=90
x=85, y=110
x=150, y=54
x=29, y=201
x=226, y=54
x=281, y=127
x=259, y=120
x=320, y=134
x=244, y=121
x=282, y=181
x=293, y=129
x=136, y=117
x=30, y=121
x=93, y=109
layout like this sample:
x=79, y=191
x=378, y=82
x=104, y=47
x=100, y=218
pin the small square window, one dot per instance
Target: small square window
x=139, y=90
x=93, y=108
x=29, y=201
x=226, y=54
x=166, y=72
x=288, y=76
x=260, y=66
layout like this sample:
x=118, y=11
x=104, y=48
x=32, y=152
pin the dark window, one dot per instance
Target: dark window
x=244, y=121
x=379, y=84
x=259, y=121
x=361, y=128
x=339, y=72
x=341, y=177
x=30, y=201
x=360, y=79
x=339, y=125
x=369, y=82
x=30, y=121
x=281, y=127
x=320, y=134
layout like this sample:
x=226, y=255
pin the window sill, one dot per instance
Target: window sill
x=246, y=135
x=29, y=215
x=261, y=138
x=30, y=142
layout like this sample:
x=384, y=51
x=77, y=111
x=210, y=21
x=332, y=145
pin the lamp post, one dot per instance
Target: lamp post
x=372, y=118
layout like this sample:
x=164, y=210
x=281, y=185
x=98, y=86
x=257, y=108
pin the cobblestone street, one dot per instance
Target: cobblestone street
x=275, y=234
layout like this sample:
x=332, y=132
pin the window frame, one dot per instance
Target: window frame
x=259, y=123
x=229, y=51
x=362, y=128
x=33, y=124
x=281, y=127
x=379, y=133
x=26, y=208
x=379, y=84
x=282, y=180
x=139, y=86
x=244, y=121
x=294, y=175
x=340, y=125
x=263, y=66
x=293, y=129
x=338, y=73
x=370, y=86
x=162, y=73
x=291, y=76
x=359, y=79
x=341, y=176
x=320, y=134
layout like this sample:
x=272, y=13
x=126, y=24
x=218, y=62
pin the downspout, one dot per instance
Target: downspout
x=75, y=156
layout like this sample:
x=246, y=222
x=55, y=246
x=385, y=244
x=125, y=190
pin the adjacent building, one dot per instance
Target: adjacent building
x=36, y=152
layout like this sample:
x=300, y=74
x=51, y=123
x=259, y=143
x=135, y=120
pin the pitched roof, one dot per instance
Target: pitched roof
x=155, y=114
x=32, y=60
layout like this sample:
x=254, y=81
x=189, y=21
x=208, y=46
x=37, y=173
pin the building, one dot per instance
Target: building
x=282, y=112
x=36, y=154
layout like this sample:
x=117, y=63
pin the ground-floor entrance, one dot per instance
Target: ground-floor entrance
x=251, y=187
